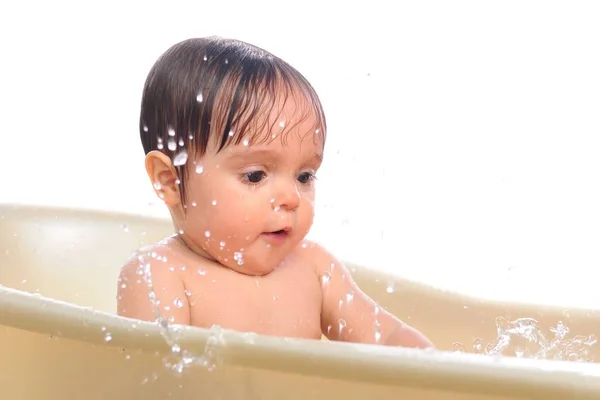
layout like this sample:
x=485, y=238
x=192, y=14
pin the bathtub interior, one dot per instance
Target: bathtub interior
x=74, y=256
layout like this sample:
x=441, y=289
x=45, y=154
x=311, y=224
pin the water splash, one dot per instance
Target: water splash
x=523, y=338
x=179, y=358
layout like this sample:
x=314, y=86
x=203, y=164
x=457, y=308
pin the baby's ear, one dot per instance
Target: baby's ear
x=164, y=177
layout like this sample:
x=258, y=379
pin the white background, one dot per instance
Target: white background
x=463, y=144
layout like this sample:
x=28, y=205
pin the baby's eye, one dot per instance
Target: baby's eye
x=254, y=176
x=306, y=177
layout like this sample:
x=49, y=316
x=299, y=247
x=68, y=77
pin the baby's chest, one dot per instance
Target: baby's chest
x=283, y=305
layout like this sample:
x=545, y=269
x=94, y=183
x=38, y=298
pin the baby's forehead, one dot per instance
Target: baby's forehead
x=262, y=121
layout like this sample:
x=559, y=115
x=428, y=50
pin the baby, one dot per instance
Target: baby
x=234, y=137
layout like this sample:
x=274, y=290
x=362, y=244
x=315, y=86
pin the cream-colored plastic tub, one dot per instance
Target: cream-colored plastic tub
x=58, y=274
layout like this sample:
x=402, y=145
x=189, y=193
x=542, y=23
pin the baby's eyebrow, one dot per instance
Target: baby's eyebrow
x=254, y=153
x=265, y=154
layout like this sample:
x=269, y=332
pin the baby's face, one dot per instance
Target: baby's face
x=248, y=206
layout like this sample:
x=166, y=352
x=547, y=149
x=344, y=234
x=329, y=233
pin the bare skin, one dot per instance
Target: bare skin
x=247, y=265
x=300, y=298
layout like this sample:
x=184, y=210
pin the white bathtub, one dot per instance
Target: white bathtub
x=58, y=274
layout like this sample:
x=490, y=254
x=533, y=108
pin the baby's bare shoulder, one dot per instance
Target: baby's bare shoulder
x=311, y=253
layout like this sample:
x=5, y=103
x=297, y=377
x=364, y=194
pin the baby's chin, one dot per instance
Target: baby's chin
x=251, y=270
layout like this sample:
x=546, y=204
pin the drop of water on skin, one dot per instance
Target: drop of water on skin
x=199, y=169
x=201, y=272
x=341, y=325
x=230, y=133
x=171, y=132
x=304, y=245
x=245, y=142
x=377, y=336
x=275, y=297
x=317, y=131
x=181, y=158
x=193, y=204
x=390, y=287
x=107, y=337
x=239, y=257
x=171, y=268
x=207, y=234
x=214, y=202
x=178, y=302
x=171, y=144
x=222, y=244
x=157, y=186
x=282, y=124
x=325, y=278
x=349, y=295
x=276, y=208
x=199, y=98
x=123, y=286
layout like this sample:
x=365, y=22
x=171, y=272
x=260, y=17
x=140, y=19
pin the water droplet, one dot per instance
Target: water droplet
x=341, y=325
x=201, y=272
x=349, y=295
x=377, y=336
x=214, y=202
x=157, y=186
x=171, y=132
x=199, y=98
x=245, y=142
x=171, y=144
x=275, y=297
x=193, y=204
x=145, y=128
x=123, y=285
x=207, y=234
x=226, y=61
x=239, y=257
x=276, y=208
x=175, y=348
x=325, y=278
x=317, y=131
x=107, y=337
x=458, y=347
x=178, y=302
x=125, y=228
x=181, y=158
x=222, y=244
x=390, y=287
x=477, y=345
x=181, y=143
x=205, y=58
x=230, y=133
x=282, y=124
x=199, y=169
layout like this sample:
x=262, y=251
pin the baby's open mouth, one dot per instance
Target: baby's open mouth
x=277, y=237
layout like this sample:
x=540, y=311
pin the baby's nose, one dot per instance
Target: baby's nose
x=287, y=197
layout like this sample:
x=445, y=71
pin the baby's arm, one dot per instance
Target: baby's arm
x=348, y=314
x=133, y=294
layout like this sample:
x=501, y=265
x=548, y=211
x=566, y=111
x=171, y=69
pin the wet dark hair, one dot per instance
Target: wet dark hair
x=214, y=86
